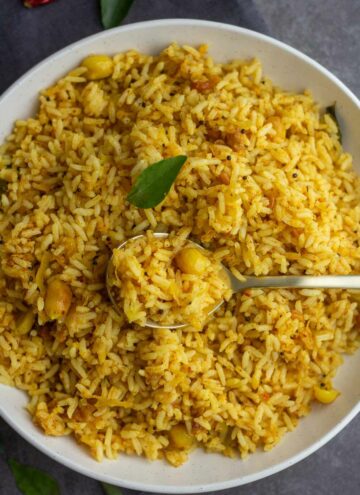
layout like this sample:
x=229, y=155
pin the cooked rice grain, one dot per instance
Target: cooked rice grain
x=148, y=282
x=267, y=187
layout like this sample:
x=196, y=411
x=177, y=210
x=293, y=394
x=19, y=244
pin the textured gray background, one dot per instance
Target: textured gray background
x=328, y=31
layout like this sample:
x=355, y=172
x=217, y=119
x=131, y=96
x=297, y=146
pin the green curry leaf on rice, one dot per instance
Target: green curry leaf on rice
x=32, y=481
x=330, y=110
x=114, y=11
x=155, y=182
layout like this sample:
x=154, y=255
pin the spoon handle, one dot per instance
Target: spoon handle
x=299, y=282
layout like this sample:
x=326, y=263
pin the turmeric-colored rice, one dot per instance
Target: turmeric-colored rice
x=266, y=187
x=156, y=281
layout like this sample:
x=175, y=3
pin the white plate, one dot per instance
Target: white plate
x=289, y=69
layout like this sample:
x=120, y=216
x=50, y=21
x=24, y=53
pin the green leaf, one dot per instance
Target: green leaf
x=114, y=11
x=331, y=111
x=155, y=181
x=3, y=186
x=31, y=481
x=111, y=490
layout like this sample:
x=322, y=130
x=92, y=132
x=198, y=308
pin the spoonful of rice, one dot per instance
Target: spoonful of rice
x=162, y=280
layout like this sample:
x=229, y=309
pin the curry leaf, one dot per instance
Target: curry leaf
x=31, y=481
x=155, y=181
x=111, y=490
x=331, y=111
x=114, y=11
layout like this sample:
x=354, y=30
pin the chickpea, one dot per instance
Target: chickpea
x=180, y=438
x=98, y=66
x=325, y=396
x=192, y=261
x=25, y=322
x=57, y=299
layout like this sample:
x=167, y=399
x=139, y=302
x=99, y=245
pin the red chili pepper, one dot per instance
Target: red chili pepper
x=36, y=3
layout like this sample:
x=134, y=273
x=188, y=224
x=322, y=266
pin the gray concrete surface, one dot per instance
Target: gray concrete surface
x=328, y=31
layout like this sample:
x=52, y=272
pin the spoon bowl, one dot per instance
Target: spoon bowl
x=110, y=274
x=247, y=282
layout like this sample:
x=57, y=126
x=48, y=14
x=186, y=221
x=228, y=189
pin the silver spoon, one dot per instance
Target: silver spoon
x=251, y=282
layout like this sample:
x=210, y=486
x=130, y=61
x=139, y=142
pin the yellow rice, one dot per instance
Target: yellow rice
x=267, y=187
x=148, y=286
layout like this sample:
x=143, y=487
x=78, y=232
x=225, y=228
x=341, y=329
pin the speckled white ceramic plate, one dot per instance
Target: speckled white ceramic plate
x=291, y=70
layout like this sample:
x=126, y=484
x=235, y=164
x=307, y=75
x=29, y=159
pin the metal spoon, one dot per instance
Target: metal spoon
x=251, y=282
